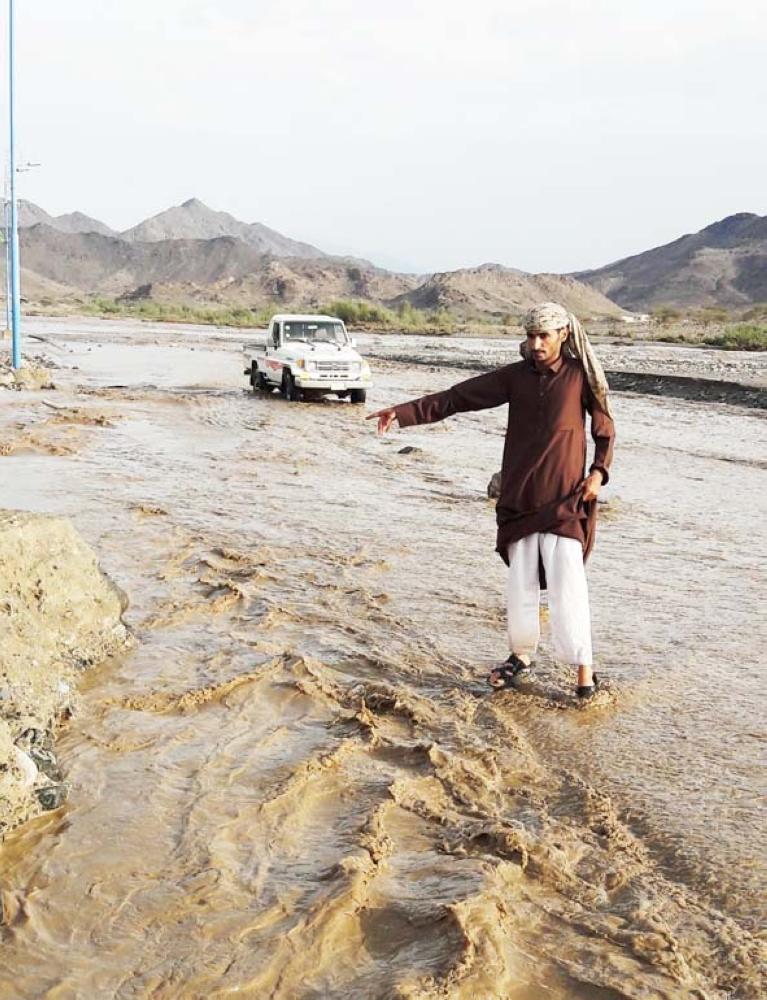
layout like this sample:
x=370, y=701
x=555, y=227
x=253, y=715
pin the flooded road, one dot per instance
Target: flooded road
x=298, y=785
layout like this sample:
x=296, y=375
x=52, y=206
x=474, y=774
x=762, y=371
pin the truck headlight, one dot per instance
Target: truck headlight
x=311, y=366
x=354, y=369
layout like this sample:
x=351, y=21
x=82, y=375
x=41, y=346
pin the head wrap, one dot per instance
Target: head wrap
x=551, y=316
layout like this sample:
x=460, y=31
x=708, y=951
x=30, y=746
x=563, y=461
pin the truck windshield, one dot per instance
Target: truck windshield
x=311, y=331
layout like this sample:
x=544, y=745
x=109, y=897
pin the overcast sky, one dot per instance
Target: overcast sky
x=541, y=134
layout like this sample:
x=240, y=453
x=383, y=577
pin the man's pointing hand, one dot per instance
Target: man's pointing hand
x=385, y=419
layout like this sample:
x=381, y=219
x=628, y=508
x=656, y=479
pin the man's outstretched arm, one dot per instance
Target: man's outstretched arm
x=480, y=393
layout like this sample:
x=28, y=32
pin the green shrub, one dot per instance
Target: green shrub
x=665, y=314
x=406, y=317
x=360, y=313
x=709, y=315
x=107, y=306
x=443, y=320
x=757, y=313
x=740, y=337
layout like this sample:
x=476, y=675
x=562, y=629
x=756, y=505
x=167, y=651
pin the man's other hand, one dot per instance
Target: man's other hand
x=591, y=485
x=385, y=419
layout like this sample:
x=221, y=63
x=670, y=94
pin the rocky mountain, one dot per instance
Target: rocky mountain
x=223, y=269
x=724, y=264
x=195, y=221
x=191, y=221
x=71, y=222
x=493, y=290
x=77, y=222
x=226, y=270
x=219, y=257
x=191, y=253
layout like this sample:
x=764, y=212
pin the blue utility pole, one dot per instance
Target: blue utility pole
x=7, y=252
x=15, y=279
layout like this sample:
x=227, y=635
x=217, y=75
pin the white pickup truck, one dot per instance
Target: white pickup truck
x=307, y=355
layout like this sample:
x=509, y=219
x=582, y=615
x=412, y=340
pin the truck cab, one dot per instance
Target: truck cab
x=307, y=355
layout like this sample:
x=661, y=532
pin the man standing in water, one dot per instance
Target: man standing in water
x=546, y=511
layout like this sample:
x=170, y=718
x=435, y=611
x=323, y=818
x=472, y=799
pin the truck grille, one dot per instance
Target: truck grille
x=333, y=369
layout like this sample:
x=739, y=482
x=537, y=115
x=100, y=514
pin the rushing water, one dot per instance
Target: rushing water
x=298, y=785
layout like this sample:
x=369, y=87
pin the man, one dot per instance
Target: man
x=546, y=511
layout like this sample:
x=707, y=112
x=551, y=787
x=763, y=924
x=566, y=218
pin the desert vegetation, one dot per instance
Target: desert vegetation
x=164, y=312
x=740, y=337
x=713, y=326
x=357, y=314
x=743, y=330
x=405, y=317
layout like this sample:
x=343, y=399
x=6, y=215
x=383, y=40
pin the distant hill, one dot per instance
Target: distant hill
x=493, y=290
x=225, y=270
x=193, y=254
x=217, y=255
x=191, y=221
x=72, y=222
x=724, y=264
x=195, y=221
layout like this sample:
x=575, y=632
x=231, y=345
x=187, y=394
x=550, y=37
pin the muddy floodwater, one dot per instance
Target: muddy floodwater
x=297, y=785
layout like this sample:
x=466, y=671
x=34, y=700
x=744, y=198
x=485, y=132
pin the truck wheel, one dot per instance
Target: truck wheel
x=263, y=383
x=256, y=378
x=358, y=395
x=289, y=388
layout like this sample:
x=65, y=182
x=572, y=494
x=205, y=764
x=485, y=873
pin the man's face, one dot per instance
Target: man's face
x=546, y=345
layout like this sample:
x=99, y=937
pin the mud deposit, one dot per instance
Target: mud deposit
x=58, y=614
x=297, y=786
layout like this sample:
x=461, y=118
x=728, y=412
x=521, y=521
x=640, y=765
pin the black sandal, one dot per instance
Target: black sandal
x=585, y=691
x=509, y=672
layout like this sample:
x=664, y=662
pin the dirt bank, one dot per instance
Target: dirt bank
x=58, y=613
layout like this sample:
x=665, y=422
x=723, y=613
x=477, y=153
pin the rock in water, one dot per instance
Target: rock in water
x=494, y=486
x=52, y=796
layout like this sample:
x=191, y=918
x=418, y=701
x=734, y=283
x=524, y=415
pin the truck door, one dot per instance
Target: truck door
x=274, y=335
x=273, y=370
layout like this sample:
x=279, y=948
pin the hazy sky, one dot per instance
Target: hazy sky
x=540, y=134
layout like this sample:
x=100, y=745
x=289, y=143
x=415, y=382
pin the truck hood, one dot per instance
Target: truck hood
x=321, y=352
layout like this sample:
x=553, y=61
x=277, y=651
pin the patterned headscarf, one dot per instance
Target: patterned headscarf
x=552, y=316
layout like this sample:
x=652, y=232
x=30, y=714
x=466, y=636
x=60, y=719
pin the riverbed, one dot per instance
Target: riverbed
x=297, y=784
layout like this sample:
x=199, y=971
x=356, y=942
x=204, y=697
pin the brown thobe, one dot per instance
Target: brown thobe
x=544, y=457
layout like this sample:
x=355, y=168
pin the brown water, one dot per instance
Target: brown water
x=297, y=784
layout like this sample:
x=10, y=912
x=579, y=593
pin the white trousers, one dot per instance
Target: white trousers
x=569, y=615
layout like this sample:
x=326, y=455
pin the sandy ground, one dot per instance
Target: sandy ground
x=297, y=785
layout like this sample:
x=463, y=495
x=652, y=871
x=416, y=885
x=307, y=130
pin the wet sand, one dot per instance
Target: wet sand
x=297, y=785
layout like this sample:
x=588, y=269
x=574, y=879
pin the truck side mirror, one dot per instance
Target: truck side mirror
x=352, y=342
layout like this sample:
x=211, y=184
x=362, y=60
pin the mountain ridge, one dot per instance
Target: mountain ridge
x=193, y=219
x=226, y=270
x=723, y=264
